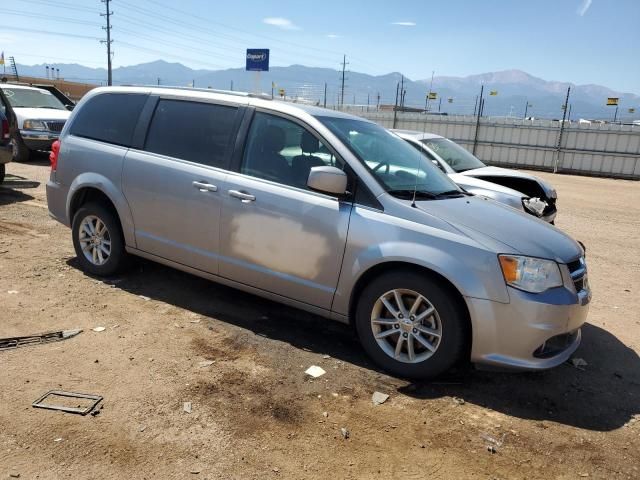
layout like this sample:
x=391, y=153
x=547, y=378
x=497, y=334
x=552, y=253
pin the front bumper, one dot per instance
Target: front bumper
x=38, y=139
x=532, y=332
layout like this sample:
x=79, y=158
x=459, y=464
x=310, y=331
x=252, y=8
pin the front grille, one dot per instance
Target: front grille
x=55, y=126
x=578, y=271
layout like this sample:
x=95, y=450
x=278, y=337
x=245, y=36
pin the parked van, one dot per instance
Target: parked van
x=323, y=211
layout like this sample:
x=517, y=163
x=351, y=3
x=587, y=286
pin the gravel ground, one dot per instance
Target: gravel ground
x=255, y=414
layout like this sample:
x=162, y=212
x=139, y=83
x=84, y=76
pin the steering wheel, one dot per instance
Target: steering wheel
x=380, y=165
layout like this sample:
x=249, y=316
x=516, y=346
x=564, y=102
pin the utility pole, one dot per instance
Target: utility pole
x=108, y=41
x=325, y=95
x=367, y=101
x=158, y=80
x=430, y=89
x=615, y=115
x=395, y=106
x=439, y=104
x=526, y=108
x=402, y=92
x=232, y=85
x=378, y=102
x=475, y=140
x=564, y=116
x=344, y=66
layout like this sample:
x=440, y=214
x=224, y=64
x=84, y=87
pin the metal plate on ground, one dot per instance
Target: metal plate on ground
x=94, y=399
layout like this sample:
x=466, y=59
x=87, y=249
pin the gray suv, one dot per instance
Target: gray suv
x=322, y=211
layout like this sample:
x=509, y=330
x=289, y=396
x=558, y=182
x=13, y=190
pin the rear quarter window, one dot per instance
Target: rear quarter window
x=109, y=117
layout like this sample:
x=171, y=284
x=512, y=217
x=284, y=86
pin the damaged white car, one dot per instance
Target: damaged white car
x=517, y=189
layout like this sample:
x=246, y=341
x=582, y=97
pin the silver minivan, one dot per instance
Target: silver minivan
x=323, y=211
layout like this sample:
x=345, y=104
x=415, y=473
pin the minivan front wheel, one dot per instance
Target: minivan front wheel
x=98, y=240
x=410, y=325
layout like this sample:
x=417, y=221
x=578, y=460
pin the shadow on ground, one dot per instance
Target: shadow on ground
x=11, y=189
x=603, y=396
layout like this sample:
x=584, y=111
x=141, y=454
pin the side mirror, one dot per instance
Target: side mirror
x=437, y=164
x=327, y=179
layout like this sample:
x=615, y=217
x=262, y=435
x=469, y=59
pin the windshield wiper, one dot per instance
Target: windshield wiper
x=408, y=194
x=47, y=106
x=450, y=193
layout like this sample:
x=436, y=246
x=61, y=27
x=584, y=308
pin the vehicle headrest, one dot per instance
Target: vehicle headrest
x=274, y=139
x=309, y=143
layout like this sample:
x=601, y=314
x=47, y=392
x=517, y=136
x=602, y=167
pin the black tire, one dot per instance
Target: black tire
x=21, y=152
x=3, y=171
x=117, y=258
x=452, y=317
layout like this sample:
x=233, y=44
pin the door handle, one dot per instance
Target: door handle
x=244, y=197
x=205, y=187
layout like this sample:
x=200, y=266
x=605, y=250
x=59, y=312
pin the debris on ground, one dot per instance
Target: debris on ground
x=194, y=471
x=345, y=433
x=59, y=439
x=186, y=407
x=325, y=414
x=579, y=363
x=145, y=298
x=142, y=428
x=206, y=363
x=90, y=401
x=315, y=371
x=492, y=449
x=493, y=440
x=14, y=475
x=98, y=329
x=15, y=342
x=276, y=469
x=458, y=400
x=12, y=292
x=378, y=398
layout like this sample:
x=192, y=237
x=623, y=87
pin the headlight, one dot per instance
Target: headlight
x=534, y=205
x=530, y=274
x=34, y=125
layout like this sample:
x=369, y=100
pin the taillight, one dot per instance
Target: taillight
x=5, y=128
x=53, y=155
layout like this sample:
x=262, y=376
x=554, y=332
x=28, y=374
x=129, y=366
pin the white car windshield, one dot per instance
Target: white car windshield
x=398, y=167
x=456, y=156
x=31, y=98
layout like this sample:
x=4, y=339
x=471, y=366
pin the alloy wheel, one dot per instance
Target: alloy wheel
x=406, y=325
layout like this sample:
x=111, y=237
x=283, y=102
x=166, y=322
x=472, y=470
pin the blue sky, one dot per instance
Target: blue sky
x=581, y=41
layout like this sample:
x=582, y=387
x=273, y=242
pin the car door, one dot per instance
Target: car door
x=277, y=234
x=174, y=182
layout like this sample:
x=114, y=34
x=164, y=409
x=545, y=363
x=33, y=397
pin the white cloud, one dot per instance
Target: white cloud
x=333, y=35
x=404, y=24
x=283, y=23
x=584, y=7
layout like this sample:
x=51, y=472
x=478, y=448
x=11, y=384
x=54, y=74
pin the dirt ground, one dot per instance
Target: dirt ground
x=255, y=414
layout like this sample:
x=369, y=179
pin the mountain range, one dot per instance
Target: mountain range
x=456, y=95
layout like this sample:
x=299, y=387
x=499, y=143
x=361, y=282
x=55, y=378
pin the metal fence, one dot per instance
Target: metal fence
x=609, y=150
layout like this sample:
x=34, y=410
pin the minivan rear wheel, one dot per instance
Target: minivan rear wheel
x=410, y=325
x=98, y=240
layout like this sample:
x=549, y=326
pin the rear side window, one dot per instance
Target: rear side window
x=110, y=118
x=198, y=132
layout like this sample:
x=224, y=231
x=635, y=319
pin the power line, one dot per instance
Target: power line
x=48, y=32
x=108, y=41
x=53, y=18
x=52, y=3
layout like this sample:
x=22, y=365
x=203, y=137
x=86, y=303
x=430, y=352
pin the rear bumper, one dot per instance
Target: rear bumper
x=532, y=332
x=57, y=202
x=6, y=153
x=38, y=139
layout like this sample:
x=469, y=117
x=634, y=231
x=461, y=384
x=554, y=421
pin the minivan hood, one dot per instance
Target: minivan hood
x=505, y=172
x=520, y=231
x=40, y=114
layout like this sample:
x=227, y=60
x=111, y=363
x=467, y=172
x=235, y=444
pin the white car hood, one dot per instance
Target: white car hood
x=474, y=183
x=23, y=114
x=505, y=172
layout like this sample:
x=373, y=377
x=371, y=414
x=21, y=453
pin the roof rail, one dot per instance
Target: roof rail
x=211, y=90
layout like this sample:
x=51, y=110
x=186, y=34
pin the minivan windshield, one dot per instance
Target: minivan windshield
x=31, y=98
x=398, y=167
x=457, y=157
